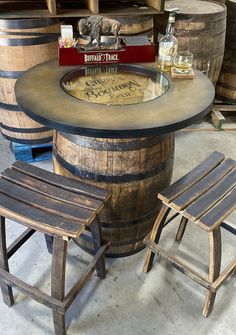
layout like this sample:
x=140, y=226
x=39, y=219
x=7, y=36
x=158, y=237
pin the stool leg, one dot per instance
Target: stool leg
x=214, y=268
x=58, y=281
x=155, y=236
x=96, y=231
x=6, y=289
x=49, y=242
x=181, y=229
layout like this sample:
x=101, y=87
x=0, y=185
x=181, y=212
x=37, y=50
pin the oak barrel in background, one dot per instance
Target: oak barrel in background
x=226, y=85
x=23, y=44
x=200, y=28
x=135, y=170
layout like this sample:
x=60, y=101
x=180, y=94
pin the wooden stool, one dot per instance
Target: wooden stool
x=205, y=196
x=59, y=207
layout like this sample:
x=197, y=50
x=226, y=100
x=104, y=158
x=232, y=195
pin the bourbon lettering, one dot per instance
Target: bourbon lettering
x=101, y=58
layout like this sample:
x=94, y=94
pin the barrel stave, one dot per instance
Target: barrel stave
x=135, y=170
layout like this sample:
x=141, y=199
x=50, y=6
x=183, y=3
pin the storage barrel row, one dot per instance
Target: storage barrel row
x=226, y=85
x=135, y=170
x=23, y=43
x=200, y=28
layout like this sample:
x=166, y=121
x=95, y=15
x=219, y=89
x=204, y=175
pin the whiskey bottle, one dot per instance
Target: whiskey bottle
x=168, y=45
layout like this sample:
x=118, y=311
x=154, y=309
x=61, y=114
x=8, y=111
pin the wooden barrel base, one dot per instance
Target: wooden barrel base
x=226, y=85
x=135, y=170
x=17, y=127
x=200, y=28
x=23, y=44
x=85, y=243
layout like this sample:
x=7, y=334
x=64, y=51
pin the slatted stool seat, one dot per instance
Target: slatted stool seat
x=58, y=207
x=205, y=196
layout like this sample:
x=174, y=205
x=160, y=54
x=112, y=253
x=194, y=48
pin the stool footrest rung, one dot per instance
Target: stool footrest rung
x=32, y=291
x=45, y=299
x=19, y=242
x=179, y=265
x=224, y=274
x=75, y=290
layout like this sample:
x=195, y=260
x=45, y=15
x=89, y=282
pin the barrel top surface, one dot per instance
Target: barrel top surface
x=40, y=95
x=195, y=7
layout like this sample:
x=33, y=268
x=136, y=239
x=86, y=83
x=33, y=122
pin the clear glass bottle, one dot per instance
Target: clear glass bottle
x=168, y=45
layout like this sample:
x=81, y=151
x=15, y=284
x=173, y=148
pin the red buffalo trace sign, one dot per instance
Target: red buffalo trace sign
x=134, y=49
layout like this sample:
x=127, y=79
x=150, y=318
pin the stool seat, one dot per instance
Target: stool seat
x=205, y=196
x=62, y=209
x=48, y=202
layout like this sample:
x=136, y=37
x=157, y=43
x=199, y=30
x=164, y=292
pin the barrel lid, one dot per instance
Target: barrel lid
x=194, y=6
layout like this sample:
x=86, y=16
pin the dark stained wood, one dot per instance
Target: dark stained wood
x=214, y=268
x=194, y=192
x=38, y=219
x=59, y=220
x=31, y=291
x=47, y=204
x=49, y=242
x=63, y=182
x=6, y=289
x=56, y=219
x=96, y=232
x=217, y=214
x=211, y=197
x=180, y=266
x=181, y=229
x=216, y=199
x=155, y=236
x=54, y=192
x=14, y=246
x=191, y=177
x=58, y=282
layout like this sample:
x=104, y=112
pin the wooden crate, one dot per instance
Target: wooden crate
x=223, y=116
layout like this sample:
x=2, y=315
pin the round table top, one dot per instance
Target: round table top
x=41, y=95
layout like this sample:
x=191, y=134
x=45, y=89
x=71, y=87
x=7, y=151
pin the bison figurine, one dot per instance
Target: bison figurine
x=96, y=26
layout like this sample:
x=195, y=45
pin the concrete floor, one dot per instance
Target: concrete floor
x=129, y=302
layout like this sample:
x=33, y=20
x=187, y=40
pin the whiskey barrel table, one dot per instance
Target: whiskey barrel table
x=115, y=127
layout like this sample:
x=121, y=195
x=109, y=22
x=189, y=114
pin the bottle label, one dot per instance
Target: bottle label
x=167, y=50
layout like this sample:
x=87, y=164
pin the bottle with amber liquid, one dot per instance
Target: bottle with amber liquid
x=168, y=45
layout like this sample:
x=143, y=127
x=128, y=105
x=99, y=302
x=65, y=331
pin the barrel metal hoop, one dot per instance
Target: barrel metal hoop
x=231, y=101
x=9, y=107
x=227, y=86
x=130, y=222
x=113, y=179
x=11, y=74
x=110, y=254
x=28, y=141
x=27, y=41
x=27, y=23
x=88, y=238
x=24, y=130
x=132, y=145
